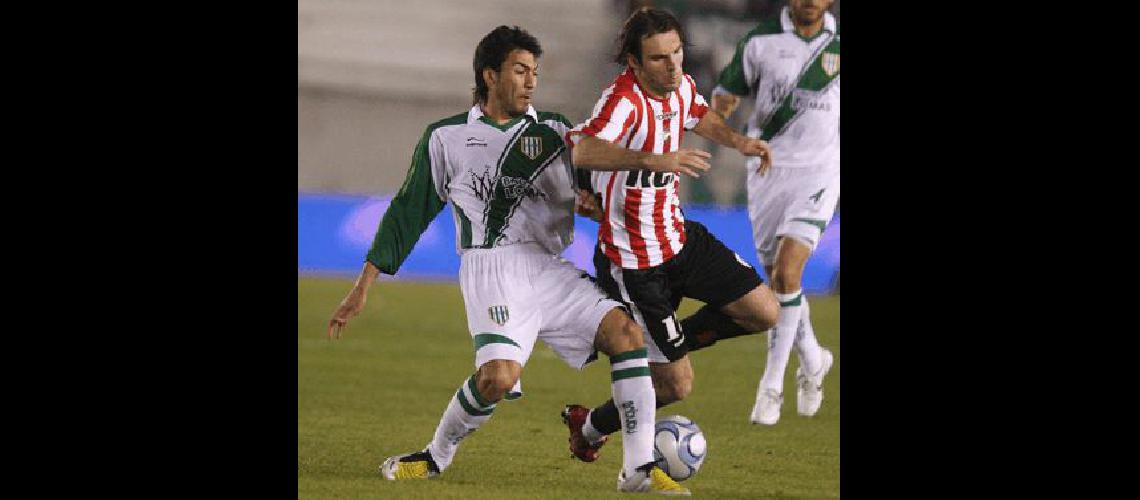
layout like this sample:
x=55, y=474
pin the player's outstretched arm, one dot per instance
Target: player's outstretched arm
x=596, y=154
x=353, y=303
x=713, y=128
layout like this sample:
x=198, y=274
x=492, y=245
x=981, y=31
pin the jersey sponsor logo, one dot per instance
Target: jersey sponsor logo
x=804, y=100
x=648, y=178
x=499, y=314
x=830, y=63
x=475, y=141
x=484, y=187
x=667, y=115
x=787, y=54
x=531, y=146
x=517, y=187
x=778, y=91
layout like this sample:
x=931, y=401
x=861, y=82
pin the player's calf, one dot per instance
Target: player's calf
x=672, y=381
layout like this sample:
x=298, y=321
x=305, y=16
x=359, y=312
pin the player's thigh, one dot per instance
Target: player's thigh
x=814, y=194
x=768, y=201
x=649, y=299
x=503, y=314
x=714, y=274
x=573, y=309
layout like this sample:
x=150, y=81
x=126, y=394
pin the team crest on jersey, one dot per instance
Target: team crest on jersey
x=830, y=63
x=531, y=146
x=499, y=314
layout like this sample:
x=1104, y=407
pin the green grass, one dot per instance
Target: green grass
x=380, y=390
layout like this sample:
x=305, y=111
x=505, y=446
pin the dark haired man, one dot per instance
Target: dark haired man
x=505, y=170
x=791, y=66
x=648, y=255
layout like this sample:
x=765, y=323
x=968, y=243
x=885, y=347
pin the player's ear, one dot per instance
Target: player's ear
x=490, y=76
x=632, y=62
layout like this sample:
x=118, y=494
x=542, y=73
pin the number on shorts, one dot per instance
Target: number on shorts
x=674, y=337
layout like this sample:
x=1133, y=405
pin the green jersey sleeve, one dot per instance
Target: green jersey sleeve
x=411, y=211
x=732, y=76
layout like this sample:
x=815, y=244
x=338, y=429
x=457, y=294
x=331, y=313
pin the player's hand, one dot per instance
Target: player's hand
x=352, y=304
x=690, y=162
x=587, y=205
x=756, y=147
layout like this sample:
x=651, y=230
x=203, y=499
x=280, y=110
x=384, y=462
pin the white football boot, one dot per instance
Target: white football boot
x=809, y=388
x=767, y=408
x=650, y=479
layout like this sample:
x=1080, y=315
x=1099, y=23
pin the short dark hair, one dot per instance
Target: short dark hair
x=494, y=48
x=645, y=22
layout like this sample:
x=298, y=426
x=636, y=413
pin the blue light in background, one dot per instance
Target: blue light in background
x=334, y=232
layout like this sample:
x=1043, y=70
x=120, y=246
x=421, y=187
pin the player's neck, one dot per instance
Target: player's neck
x=495, y=112
x=809, y=30
x=645, y=88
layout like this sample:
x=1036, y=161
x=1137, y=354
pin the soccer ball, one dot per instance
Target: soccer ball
x=678, y=446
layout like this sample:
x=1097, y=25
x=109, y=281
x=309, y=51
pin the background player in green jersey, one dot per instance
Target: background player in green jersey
x=790, y=65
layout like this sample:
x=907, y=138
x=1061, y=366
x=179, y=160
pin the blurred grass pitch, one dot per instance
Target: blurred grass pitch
x=381, y=388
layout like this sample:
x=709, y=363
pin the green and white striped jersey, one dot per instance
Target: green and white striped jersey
x=507, y=184
x=795, y=82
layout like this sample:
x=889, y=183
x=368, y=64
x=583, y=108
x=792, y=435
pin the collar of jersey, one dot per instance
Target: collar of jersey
x=476, y=114
x=789, y=27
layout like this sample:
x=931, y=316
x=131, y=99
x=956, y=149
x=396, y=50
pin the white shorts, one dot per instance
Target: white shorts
x=516, y=294
x=794, y=202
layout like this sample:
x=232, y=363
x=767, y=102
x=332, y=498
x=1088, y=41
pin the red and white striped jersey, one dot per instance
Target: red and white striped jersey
x=642, y=225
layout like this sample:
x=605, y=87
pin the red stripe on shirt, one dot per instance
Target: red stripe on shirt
x=605, y=231
x=681, y=115
x=599, y=122
x=659, y=224
x=625, y=127
x=638, y=110
x=633, y=226
x=696, y=110
x=677, y=224
x=652, y=121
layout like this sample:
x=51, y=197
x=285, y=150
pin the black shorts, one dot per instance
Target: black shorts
x=704, y=270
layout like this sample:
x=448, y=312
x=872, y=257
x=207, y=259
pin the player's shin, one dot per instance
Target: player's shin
x=636, y=404
x=465, y=413
x=780, y=340
x=708, y=325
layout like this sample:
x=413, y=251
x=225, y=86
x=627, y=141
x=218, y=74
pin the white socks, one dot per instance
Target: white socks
x=637, y=406
x=811, y=354
x=780, y=340
x=464, y=414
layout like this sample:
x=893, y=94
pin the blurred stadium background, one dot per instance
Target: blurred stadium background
x=373, y=73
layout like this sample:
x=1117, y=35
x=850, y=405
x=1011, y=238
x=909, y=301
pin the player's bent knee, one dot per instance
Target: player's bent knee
x=767, y=313
x=785, y=278
x=497, y=377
